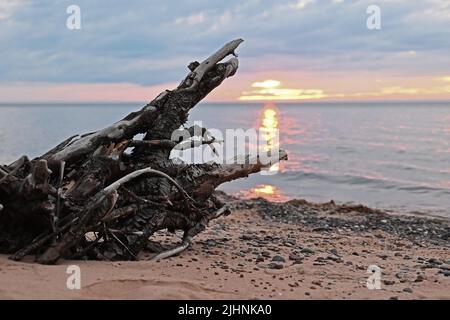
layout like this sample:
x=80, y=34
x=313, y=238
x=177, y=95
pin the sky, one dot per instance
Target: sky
x=293, y=50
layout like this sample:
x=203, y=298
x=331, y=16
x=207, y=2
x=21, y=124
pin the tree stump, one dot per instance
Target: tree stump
x=89, y=185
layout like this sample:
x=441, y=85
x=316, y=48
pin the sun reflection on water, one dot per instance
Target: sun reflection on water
x=268, y=124
x=266, y=191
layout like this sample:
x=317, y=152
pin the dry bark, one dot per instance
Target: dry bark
x=88, y=184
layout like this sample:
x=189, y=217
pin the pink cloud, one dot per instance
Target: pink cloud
x=76, y=92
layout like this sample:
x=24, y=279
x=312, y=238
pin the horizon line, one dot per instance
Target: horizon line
x=296, y=102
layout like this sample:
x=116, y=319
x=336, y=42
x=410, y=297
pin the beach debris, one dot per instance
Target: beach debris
x=118, y=187
x=408, y=290
x=275, y=265
x=278, y=259
x=335, y=217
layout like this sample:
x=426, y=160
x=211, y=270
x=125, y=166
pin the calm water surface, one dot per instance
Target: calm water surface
x=391, y=156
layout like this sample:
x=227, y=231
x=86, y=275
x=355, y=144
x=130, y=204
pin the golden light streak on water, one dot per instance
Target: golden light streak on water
x=266, y=191
x=269, y=128
x=268, y=123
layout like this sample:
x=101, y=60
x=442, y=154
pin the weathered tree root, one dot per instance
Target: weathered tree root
x=89, y=185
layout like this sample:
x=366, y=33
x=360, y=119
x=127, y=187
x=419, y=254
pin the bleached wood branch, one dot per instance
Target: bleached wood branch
x=117, y=184
x=172, y=252
x=128, y=127
x=198, y=73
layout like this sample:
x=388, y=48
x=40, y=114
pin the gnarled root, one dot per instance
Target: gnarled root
x=116, y=188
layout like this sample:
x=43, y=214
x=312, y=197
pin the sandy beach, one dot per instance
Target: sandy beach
x=263, y=250
x=247, y=150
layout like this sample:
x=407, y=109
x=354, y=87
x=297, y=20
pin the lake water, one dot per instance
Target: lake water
x=391, y=156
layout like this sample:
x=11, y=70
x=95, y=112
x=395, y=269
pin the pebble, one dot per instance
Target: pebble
x=419, y=278
x=278, y=259
x=295, y=257
x=307, y=251
x=408, y=290
x=389, y=282
x=247, y=237
x=275, y=265
x=335, y=259
x=435, y=261
x=444, y=267
x=334, y=251
x=401, y=276
x=319, y=229
x=303, y=213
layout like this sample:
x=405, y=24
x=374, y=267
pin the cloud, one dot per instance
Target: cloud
x=300, y=4
x=272, y=90
x=80, y=92
x=145, y=43
x=191, y=20
x=414, y=91
x=266, y=84
x=398, y=92
x=7, y=8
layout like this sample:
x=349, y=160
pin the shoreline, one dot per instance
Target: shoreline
x=266, y=250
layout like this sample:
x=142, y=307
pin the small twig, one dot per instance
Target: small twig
x=123, y=244
x=21, y=161
x=58, y=199
x=191, y=233
x=117, y=184
x=135, y=233
x=40, y=241
x=82, y=252
x=3, y=170
x=172, y=252
x=165, y=143
x=225, y=210
x=197, y=74
x=138, y=198
x=119, y=213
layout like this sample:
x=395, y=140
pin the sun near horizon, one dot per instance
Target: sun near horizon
x=275, y=90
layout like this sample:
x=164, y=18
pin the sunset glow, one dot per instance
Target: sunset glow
x=268, y=84
x=265, y=191
x=291, y=52
x=392, y=89
x=272, y=90
x=269, y=127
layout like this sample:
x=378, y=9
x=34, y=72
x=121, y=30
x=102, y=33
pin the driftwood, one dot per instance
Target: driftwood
x=90, y=185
